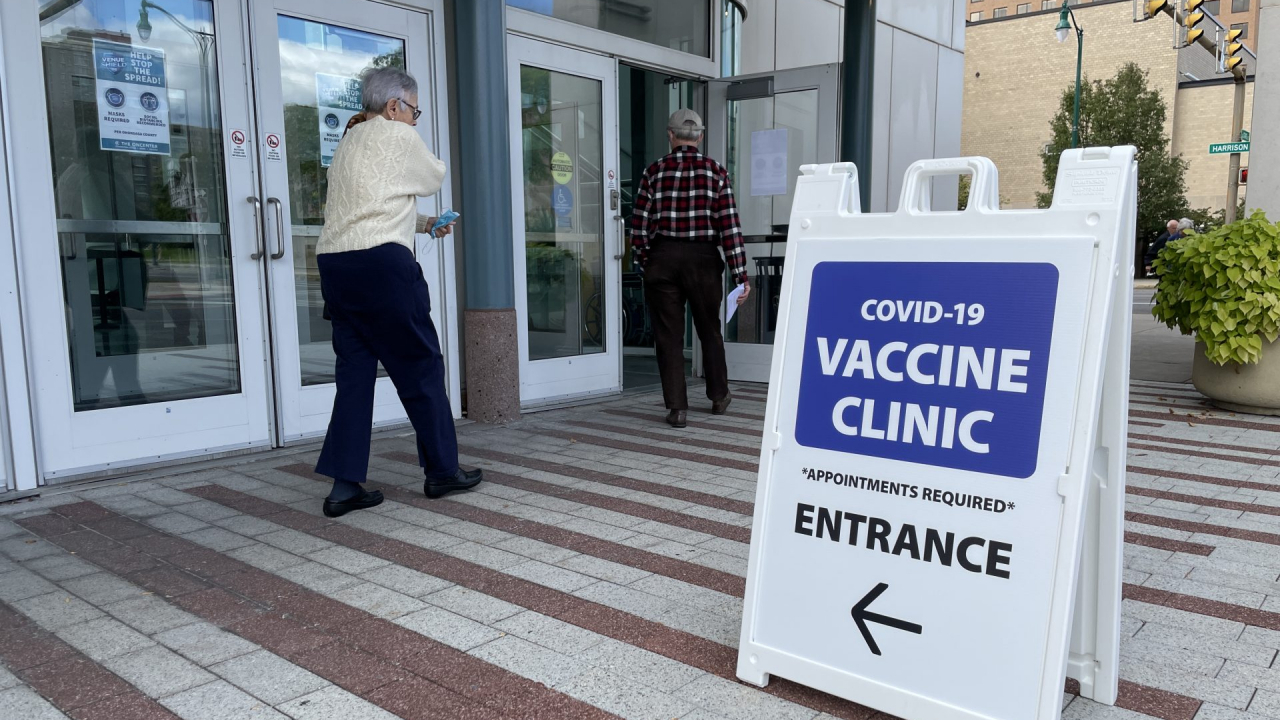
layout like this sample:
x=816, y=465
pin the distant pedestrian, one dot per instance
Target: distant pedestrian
x=1171, y=233
x=684, y=209
x=376, y=296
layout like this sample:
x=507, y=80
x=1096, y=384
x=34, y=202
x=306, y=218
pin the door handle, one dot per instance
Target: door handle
x=279, y=253
x=622, y=234
x=257, y=228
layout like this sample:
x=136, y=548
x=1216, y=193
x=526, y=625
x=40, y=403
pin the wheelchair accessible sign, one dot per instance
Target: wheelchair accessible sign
x=930, y=433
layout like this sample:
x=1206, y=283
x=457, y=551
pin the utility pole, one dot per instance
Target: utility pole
x=1237, y=124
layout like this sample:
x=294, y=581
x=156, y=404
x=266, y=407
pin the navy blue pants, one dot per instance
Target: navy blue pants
x=378, y=302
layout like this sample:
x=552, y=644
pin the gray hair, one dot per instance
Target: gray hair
x=382, y=85
x=685, y=133
x=1185, y=224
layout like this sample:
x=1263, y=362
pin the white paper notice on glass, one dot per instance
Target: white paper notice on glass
x=731, y=304
x=768, y=162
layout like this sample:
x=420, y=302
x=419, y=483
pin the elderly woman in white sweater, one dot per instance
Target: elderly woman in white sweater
x=377, y=298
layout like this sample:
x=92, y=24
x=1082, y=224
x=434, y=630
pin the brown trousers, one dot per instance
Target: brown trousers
x=679, y=272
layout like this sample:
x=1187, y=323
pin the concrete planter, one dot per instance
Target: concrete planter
x=1243, y=388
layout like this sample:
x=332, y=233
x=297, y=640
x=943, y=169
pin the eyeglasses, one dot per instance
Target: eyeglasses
x=416, y=112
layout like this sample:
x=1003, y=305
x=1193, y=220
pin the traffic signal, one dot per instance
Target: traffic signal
x=1230, y=50
x=1191, y=20
x=1244, y=176
x=1155, y=6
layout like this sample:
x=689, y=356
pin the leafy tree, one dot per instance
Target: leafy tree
x=1124, y=110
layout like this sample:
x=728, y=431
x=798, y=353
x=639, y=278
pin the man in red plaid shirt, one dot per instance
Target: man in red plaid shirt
x=684, y=209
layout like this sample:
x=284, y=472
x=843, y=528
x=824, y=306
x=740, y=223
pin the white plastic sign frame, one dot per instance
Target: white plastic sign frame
x=944, y=444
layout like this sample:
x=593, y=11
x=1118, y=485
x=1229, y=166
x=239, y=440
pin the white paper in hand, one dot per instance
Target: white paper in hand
x=731, y=303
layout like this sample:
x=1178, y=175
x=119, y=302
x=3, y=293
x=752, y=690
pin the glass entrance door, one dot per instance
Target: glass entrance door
x=310, y=58
x=765, y=127
x=567, y=219
x=172, y=197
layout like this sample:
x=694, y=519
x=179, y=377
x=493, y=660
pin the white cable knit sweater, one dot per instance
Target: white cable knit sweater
x=378, y=171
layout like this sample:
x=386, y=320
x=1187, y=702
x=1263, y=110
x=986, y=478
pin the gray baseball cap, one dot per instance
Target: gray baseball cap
x=685, y=119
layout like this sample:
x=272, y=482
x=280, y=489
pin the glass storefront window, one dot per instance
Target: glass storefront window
x=320, y=70
x=563, y=156
x=683, y=26
x=138, y=172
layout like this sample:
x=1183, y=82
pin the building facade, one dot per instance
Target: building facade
x=164, y=182
x=1016, y=72
x=1234, y=14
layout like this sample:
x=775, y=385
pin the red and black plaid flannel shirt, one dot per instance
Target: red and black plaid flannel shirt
x=687, y=196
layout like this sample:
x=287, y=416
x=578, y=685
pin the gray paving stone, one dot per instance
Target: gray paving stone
x=8, y=679
x=248, y=525
x=613, y=572
x=149, y=615
x=20, y=584
x=626, y=599
x=175, y=523
x=550, y=633
x=25, y=548
x=333, y=703
x=269, y=677
x=320, y=578
x=60, y=567
x=216, y=538
x=57, y=610
x=484, y=555
x=656, y=671
x=293, y=541
x=405, y=580
x=596, y=529
x=551, y=576
x=219, y=700
x=625, y=698
x=1265, y=704
x=536, y=550
x=1083, y=709
x=134, y=507
x=1238, y=650
x=207, y=511
x=1177, y=658
x=449, y=628
x=265, y=557
x=158, y=672
x=688, y=594
x=471, y=604
x=347, y=560
x=740, y=702
x=425, y=538
x=104, y=638
x=530, y=660
x=1182, y=619
x=101, y=589
x=204, y=643
x=166, y=496
x=23, y=702
x=1226, y=689
x=379, y=601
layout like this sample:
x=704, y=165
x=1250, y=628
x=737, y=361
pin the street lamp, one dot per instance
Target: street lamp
x=1066, y=19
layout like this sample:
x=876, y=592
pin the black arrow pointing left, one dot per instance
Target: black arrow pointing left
x=861, y=616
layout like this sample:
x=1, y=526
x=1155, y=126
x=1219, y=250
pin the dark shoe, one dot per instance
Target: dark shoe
x=360, y=502
x=721, y=406
x=464, y=480
x=676, y=419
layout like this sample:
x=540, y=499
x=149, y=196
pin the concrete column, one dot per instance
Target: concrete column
x=1264, y=150
x=489, y=320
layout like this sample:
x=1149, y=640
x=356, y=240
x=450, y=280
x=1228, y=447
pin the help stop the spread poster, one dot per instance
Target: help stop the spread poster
x=132, y=98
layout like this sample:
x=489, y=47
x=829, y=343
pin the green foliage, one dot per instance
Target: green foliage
x=1124, y=111
x=1223, y=286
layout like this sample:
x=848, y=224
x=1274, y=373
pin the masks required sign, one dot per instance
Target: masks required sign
x=933, y=413
x=337, y=101
x=132, y=98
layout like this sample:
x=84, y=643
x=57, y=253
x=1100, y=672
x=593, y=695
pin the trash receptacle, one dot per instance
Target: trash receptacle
x=768, y=294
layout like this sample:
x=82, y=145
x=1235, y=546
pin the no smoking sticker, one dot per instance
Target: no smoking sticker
x=272, y=142
x=238, y=146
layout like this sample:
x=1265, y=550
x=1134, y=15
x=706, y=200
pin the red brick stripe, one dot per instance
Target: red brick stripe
x=1201, y=606
x=1206, y=479
x=1200, y=501
x=1197, y=419
x=691, y=573
x=650, y=450
x=1168, y=544
x=1143, y=423
x=607, y=502
x=718, y=427
x=1203, y=528
x=742, y=507
x=396, y=668
x=692, y=650
x=67, y=678
x=675, y=439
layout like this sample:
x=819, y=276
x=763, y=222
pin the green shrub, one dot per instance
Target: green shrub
x=1224, y=288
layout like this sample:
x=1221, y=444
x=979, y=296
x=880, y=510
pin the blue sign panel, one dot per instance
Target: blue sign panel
x=562, y=200
x=940, y=364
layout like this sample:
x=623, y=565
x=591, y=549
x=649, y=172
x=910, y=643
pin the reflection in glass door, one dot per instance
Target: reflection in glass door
x=309, y=87
x=567, y=203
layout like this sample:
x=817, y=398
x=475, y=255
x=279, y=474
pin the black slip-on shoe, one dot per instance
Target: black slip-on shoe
x=721, y=406
x=339, y=508
x=677, y=419
x=464, y=480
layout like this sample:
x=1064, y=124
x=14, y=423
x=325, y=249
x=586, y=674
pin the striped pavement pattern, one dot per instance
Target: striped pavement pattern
x=598, y=573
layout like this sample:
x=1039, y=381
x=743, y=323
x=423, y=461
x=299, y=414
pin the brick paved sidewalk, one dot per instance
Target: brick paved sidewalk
x=598, y=573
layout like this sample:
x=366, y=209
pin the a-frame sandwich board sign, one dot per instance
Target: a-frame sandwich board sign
x=936, y=433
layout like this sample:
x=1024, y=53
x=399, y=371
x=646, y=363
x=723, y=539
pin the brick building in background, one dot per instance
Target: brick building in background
x=1235, y=14
x=1015, y=72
